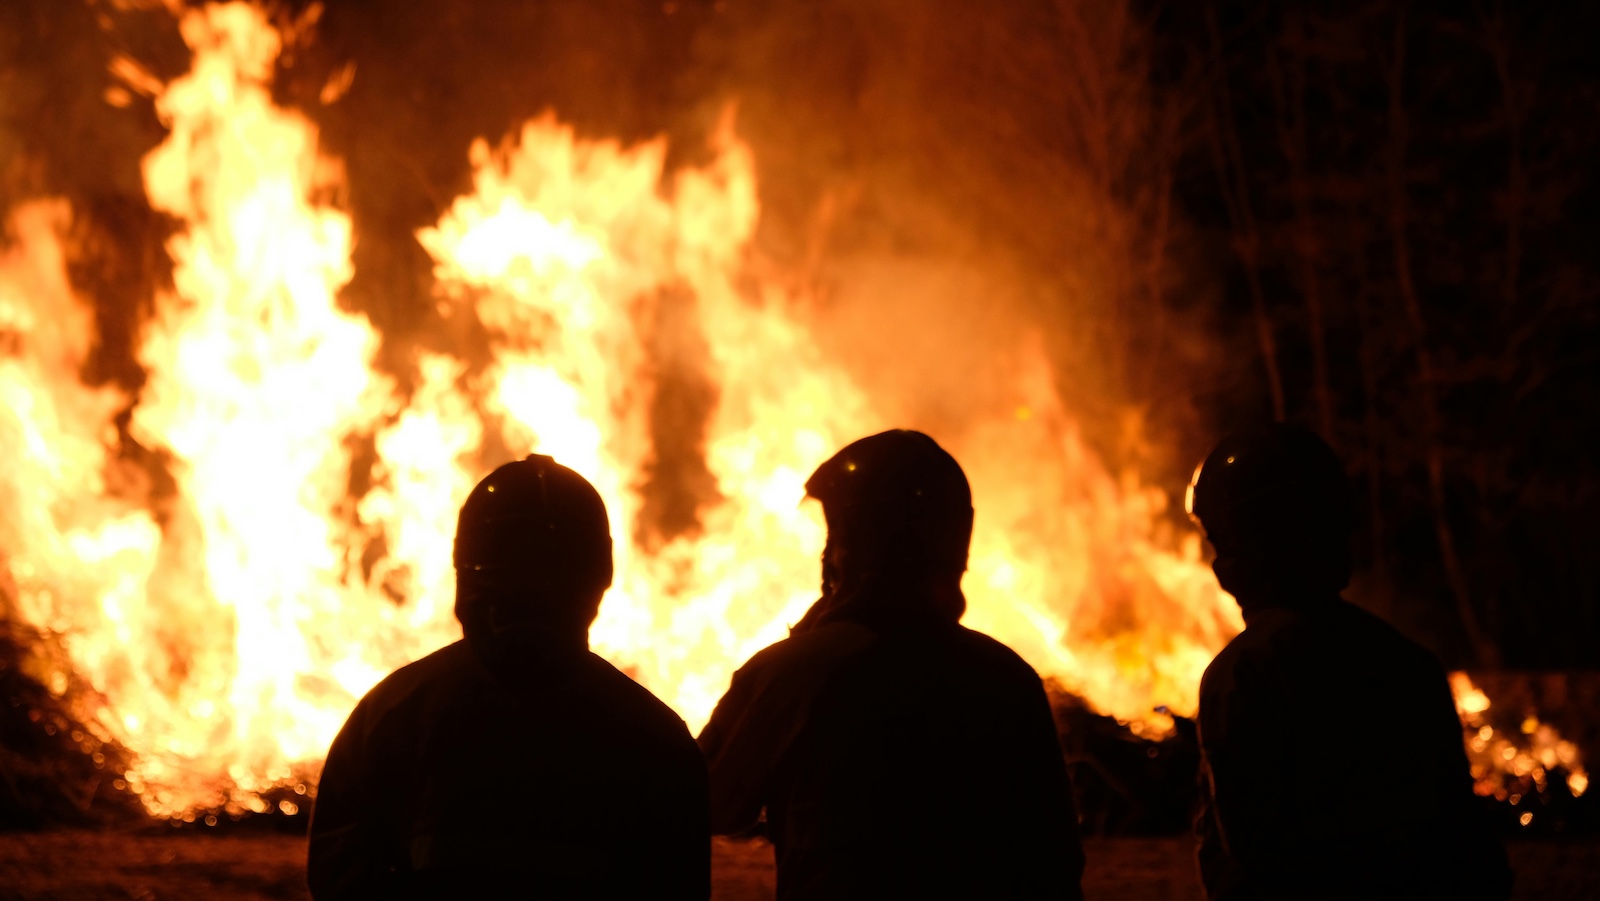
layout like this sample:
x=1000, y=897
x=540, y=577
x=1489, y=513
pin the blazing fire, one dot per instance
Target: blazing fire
x=222, y=627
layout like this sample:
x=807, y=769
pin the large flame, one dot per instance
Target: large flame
x=226, y=626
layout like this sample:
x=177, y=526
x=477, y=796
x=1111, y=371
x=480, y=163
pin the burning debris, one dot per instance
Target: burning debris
x=1128, y=778
x=1523, y=763
x=1138, y=778
x=55, y=769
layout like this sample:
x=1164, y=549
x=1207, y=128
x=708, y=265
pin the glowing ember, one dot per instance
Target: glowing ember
x=228, y=629
x=1502, y=762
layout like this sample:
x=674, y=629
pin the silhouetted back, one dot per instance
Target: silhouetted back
x=903, y=763
x=449, y=781
x=1332, y=752
x=515, y=763
x=896, y=753
x=1337, y=768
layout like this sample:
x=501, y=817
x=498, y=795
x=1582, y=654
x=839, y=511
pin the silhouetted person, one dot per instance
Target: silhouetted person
x=896, y=753
x=515, y=762
x=1333, y=757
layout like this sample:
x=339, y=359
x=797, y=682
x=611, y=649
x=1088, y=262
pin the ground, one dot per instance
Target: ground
x=145, y=865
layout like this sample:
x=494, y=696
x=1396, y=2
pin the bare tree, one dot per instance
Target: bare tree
x=1288, y=82
x=1427, y=379
x=1234, y=185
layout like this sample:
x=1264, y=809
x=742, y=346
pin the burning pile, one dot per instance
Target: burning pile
x=218, y=613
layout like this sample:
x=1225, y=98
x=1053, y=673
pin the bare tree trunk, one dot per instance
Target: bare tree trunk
x=1499, y=44
x=1370, y=425
x=1516, y=173
x=1291, y=103
x=1093, y=37
x=1229, y=162
x=1399, y=214
x=1160, y=237
x=1089, y=93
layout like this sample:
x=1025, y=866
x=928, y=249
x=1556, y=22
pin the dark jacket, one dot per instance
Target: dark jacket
x=449, y=781
x=913, y=760
x=1335, y=769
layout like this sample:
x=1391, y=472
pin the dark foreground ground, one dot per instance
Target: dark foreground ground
x=78, y=866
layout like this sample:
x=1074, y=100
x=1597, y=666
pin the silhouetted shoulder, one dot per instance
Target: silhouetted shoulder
x=1248, y=646
x=1337, y=632
x=998, y=657
x=1356, y=621
x=631, y=702
x=832, y=642
x=811, y=658
x=441, y=671
x=454, y=658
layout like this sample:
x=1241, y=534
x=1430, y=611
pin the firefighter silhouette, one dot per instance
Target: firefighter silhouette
x=895, y=753
x=1299, y=803
x=515, y=762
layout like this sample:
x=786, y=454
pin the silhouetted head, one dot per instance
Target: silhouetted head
x=896, y=504
x=532, y=553
x=1275, y=503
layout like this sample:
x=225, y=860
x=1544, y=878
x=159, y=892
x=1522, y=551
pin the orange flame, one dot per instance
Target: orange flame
x=75, y=554
x=230, y=628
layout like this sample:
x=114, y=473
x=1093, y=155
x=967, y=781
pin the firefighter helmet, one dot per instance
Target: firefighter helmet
x=534, y=524
x=897, y=499
x=1268, y=486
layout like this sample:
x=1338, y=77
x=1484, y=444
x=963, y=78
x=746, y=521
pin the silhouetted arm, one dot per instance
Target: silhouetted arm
x=739, y=753
x=763, y=714
x=681, y=829
x=1219, y=874
x=344, y=857
x=1057, y=860
x=1244, y=737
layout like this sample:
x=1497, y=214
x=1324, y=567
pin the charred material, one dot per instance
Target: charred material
x=53, y=770
x=1127, y=783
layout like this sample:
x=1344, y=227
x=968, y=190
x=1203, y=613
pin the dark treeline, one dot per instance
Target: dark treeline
x=1402, y=194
